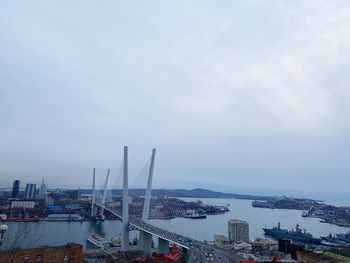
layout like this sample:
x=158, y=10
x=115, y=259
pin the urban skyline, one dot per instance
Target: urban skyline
x=339, y=199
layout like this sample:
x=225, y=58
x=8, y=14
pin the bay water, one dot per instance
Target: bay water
x=60, y=233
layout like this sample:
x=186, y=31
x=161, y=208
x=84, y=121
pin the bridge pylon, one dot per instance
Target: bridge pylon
x=104, y=193
x=145, y=240
x=93, y=200
x=146, y=204
x=125, y=211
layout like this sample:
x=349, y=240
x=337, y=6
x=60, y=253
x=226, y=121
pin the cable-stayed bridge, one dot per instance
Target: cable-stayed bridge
x=193, y=250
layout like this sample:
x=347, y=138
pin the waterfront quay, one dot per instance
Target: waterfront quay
x=66, y=208
x=327, y=213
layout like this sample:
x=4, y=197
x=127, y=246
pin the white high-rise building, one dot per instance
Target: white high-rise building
x=42, y=191
x=238, y=230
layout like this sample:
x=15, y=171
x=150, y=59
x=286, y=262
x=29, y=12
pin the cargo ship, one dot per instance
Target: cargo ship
x=20, y=220
x=97, y=240
x=195, y=216
x=297, y=234
x=217, y=212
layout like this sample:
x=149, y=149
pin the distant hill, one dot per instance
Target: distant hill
x=194, y=193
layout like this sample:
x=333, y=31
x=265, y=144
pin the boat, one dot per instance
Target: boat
x=332, y=244
x=297, y=234
x=97, y=218
x=217, y=212
x=97, y=240
x=115, y=244
x=344, y=237
x=328, y=244
x=195, y=216
x=135, y=241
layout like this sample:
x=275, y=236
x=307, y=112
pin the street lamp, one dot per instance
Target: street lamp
x=3, y=229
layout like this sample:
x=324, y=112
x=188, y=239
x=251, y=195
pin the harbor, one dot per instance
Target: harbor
x=327, y=213
x=60, y=232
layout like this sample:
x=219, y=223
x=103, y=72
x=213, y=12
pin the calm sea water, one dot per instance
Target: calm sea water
x=59, y=233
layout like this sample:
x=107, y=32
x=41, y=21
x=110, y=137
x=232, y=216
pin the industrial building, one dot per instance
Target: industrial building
x=23, y=204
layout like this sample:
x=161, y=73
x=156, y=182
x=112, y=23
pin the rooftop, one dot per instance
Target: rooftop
x=221, y=237
x=237, y=221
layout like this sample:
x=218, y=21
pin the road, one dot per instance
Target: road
x=197, y=251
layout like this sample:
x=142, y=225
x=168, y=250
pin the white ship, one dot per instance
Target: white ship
x=97, y=240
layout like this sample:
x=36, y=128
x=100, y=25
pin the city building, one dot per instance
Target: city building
x=15, y=188
x=222, y=242
x=261, y=244
x=238, y=230
x=282, y=244
x=58, y=195
x=74, y=194
x=73, y=207
x=242, y=246
x=292, y=249
x=54, y=208
x=6, y=192
x=71, y=253
x=42, y=190
x=3, y=216
x=22, y=204
x=85, y=197
x=30, y=191
x=4, y=207
x=49, y=201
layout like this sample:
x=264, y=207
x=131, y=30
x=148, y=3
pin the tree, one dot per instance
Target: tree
x=20, y=236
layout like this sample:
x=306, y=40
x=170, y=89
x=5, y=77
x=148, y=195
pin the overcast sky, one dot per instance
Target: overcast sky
x=235, y=95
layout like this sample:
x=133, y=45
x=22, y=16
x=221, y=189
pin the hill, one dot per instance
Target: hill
x=194, y=193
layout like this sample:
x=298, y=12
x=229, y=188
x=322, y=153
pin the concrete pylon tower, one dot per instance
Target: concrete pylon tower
x=93, y=200
x=147, y=202
x=104, y=193
x=145, y=241
x=125, y=212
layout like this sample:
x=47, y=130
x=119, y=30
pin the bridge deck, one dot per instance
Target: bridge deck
x=198, y=251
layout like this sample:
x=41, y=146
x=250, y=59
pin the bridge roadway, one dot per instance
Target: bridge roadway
x=197, y=251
